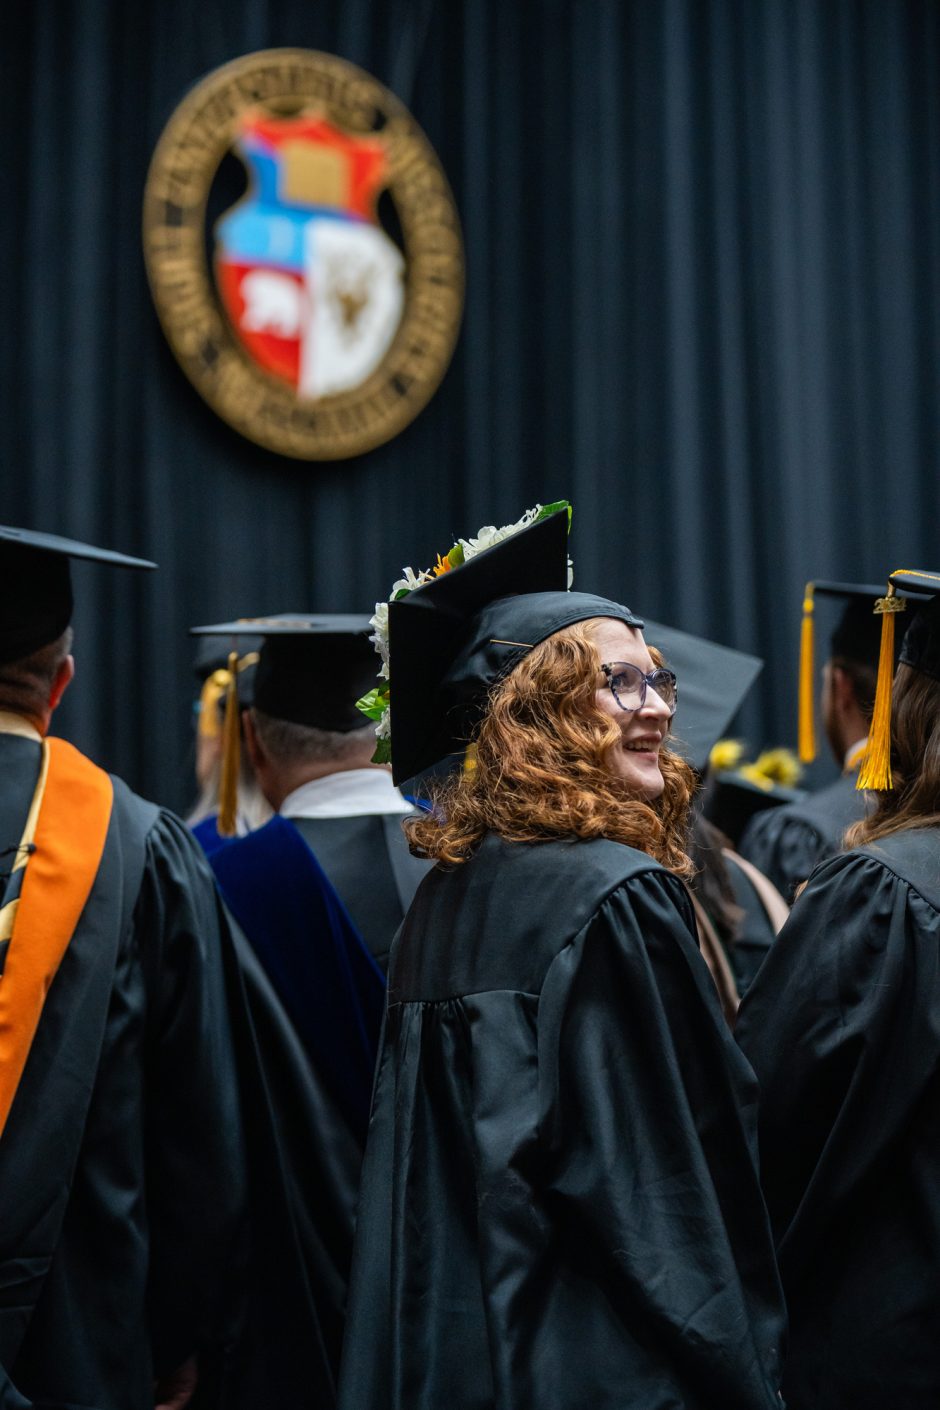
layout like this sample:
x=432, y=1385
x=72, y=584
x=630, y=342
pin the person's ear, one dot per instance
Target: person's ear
x=843, y=689
x=252, y=742
x=63, y=679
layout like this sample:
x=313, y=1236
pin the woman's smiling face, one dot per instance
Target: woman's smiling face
x=636, y=759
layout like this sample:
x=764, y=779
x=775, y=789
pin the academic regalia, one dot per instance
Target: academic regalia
x=732, y=800
x=786, y=843
x=207, y=834
x=332, y=991
x=303, y=1171
x=559, y=1202
x=374, y=848
x=715, y=681
x=120, y=1152
x=121, y=1158
x=763, y=912
x=365, y=856
x=739, y=912
x=315, y=1001
x=161, y=1132
x=311, y=670
x=842, y=1027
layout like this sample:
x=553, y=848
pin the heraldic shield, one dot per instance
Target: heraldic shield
x=312, y=284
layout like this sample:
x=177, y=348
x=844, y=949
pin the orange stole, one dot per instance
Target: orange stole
x=69, y=842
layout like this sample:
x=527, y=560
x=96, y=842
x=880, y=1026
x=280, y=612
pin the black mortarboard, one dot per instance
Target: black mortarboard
x=311, y=669
x=36, y=602
x=212, y=670
x=856, y=637
x=732, y=799
x=212, y=652
x=713, y=681
x=454, y=638
x=920, y=650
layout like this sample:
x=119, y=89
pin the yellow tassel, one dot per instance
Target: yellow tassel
x=212, y=691
x=806, y=734
x=231, y=754
x=875, y=772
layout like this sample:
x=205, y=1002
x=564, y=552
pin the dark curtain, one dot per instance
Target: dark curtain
x=703, y=245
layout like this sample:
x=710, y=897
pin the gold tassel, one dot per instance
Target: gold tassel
x=806, y=734
x=212, y=691
x=875, y=772
x=231, y=754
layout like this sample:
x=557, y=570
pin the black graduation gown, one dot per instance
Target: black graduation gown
x=755, y=934
x=315, y=1000
x=786, y=843
x=303, y=1173
x=368, y=862
x=559, y=1204
x=121, y=1161
x=842, y=1026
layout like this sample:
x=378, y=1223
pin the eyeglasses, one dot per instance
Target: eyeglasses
x=628, y=685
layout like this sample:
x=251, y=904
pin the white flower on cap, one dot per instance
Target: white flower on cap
x=375, y=705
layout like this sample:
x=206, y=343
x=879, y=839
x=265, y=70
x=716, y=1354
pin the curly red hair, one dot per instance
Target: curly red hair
x=540, y=769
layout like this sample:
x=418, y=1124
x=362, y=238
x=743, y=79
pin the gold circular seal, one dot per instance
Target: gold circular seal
x=319, y=313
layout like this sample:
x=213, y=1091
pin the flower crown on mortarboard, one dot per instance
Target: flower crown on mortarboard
x=376, y=703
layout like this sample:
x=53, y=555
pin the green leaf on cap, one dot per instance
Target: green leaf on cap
x=548, y=509
x=383, y=752
x=374, y=702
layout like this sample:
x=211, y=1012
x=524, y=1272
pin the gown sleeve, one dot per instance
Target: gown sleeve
x=194, y=1156
x=647, y=1113
x=841, y=1026
x=303, y=1170
x=785, y=847
x=757, y=930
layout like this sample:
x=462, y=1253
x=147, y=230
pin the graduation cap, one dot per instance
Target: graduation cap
x=212, y=652
x=310, y=671
x=732, y=799
x=713, y=683
x=36, y=603
x=452, y=639
x=212, y=672
x=920, y=650
x=856, y=637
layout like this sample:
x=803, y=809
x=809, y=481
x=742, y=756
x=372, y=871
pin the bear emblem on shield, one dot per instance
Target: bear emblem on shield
x=313, y=286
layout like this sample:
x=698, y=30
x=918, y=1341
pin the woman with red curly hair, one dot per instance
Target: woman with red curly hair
x=559, y=1205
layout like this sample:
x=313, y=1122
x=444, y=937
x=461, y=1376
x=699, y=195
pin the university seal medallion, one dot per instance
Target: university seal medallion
x=304, y=253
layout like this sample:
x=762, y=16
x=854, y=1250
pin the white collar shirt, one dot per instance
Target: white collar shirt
x=351, y=793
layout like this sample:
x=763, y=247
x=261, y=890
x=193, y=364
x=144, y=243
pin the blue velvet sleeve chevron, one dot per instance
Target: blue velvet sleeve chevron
x=331, y=988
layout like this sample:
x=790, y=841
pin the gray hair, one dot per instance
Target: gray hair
x=25, y=684
x=286, y=742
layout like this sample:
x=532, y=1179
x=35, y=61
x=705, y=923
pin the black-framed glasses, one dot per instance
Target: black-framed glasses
x=628, y=685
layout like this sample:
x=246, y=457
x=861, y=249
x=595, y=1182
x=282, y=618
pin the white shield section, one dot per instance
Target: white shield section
x=273, y=304
x=355, y=279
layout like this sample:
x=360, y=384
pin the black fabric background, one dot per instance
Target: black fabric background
x=703, y=245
